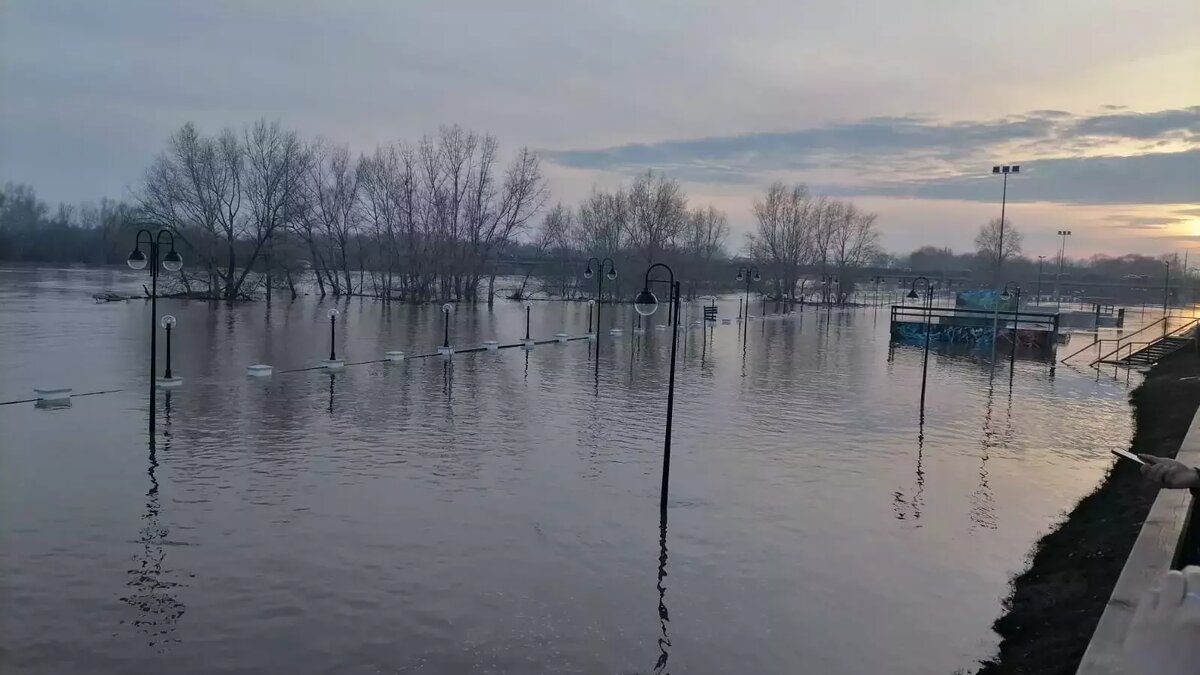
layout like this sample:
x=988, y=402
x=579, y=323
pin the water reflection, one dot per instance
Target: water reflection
x=664, y=639
x=332, y=379
x=910, y=508
x=152, y=590
x=983, y=502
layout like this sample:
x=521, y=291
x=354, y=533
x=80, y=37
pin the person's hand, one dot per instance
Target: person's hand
x=1169, y=473
x=1164, y=636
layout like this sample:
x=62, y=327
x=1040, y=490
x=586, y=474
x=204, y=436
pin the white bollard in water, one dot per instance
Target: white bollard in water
x=260, y=370
x=53, y=398
x=333, y=364
x=616, y=332
x=168, y=382
x=491, y=345
x=660, y=327
x=394, y=356
x=562, y=337
x=527, y=345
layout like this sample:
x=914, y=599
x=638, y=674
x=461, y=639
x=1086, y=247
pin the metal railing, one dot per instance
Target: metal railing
x=957, y=316
x=1125, y=341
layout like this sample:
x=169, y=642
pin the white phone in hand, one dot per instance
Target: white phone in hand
x=1128, y=455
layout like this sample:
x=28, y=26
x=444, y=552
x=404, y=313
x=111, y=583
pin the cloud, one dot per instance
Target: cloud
x=1071, y=158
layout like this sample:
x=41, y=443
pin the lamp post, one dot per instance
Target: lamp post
x=1062, y=254
x=1004, y=170
x=446, y=309
x=333, y=315
x=747, y=274
x=646, y=304
x=600, y=274
x=591, y=305
x=168, y=381
x=528, y=306
x=1166, y=293
x=1012, y=357
x=1038, y=294
x=171, y=262
x=912, y=294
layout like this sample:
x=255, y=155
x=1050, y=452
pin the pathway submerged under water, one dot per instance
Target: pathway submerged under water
x=498, y=513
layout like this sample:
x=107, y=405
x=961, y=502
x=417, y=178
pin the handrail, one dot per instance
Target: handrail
x=1120, y=339
x=1173, y=333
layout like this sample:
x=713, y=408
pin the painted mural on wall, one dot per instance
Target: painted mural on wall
x=981, y=336
x=985, y=299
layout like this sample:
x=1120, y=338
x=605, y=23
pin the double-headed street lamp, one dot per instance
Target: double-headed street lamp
x=912, y=295
x=600, y=275
x=747, y=274
x=171, y=262
x=646, y=304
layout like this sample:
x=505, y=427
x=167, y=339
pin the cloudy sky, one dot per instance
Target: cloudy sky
x=901, y=106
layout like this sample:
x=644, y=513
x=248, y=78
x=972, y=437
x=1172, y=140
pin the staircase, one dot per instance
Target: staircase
x=1132, y=354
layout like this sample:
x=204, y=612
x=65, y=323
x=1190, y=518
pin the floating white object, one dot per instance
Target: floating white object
x=59, y=394
x=333, y=364
x=726, y=321
x=615, y=331
x=394, y=356
x=527, y=345
x=660, y=327
x=260, y=370
x=446, y=352
x=591, y=336
x=562, y=337
x=168, y=382
x=491, y=345
x=639, y=331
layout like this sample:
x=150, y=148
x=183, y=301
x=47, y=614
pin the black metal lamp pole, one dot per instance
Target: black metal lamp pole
x=333, y=314
x=168, y=322
x=1012, y=357
x=912, y=294
x=446, y=325
x=1166, y=294
x=747, y=274
x=528, y=305
x=1038, y=294
x=172, y=262
x=600, y=274
x=646, y=304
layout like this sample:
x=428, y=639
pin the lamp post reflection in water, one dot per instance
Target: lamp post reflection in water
x=664, y=639
x=151, y=589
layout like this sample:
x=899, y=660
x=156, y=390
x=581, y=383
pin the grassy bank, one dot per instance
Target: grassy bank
x=1056, y=603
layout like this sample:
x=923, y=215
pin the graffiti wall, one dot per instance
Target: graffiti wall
x=914, y=332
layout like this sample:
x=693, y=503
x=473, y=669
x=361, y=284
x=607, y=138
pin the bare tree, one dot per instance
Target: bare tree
x=657, y=211
x=785, y=237
x=988, y=242
x=331, y=193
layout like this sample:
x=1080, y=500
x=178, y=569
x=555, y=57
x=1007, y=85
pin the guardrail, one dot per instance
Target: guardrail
x=1158, y=547
x=959, y=315
x=1125, y=341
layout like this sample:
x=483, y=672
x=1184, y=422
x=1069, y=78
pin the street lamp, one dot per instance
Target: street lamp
x=168, y=381
x=587, y=274
x=446, y=309
x=747, y=274
x=646, y=304
x=1004, y=170
x=1012, y=358
x=827, y=283
x=333, y=315
x=171, y=262
x=528, y=306
x=912, y=295
x=1166, y=293
x=1062, y=254
x=1038, y=295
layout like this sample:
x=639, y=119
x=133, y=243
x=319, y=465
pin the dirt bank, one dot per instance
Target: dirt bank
x=1056, y=603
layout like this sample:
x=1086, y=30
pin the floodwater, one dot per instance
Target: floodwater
x=499, y=513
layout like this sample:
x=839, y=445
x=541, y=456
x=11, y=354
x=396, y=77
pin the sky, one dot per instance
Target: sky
x=903, y=107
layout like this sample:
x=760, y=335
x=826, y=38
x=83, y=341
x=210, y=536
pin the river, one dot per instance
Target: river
x=499, y=513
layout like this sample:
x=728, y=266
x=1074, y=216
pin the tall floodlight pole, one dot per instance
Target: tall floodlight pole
x=1002, y=170
x=1062, y=256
